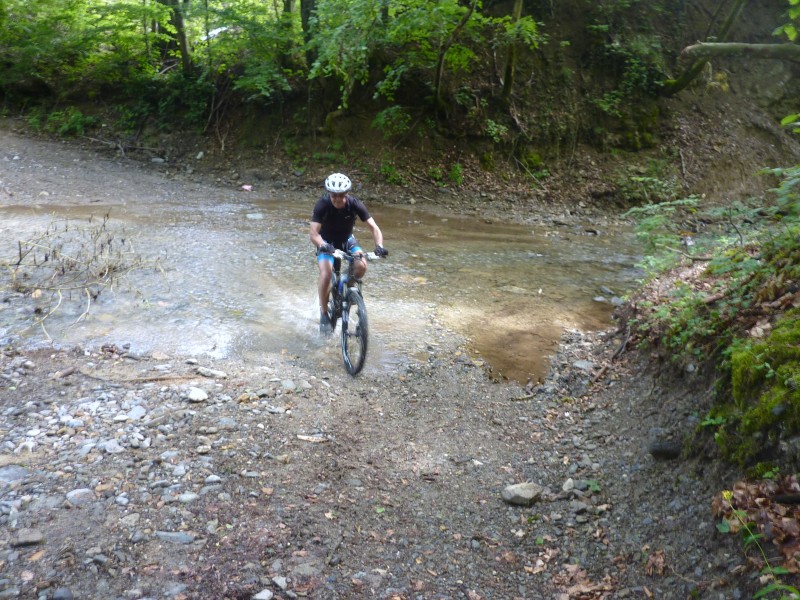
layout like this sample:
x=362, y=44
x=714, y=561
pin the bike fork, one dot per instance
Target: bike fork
x=344, y=315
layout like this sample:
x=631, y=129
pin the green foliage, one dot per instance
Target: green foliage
x=496, y=131
x=770, y=575
x=712, y=421
x=456, y=175
x=345, y=36
x=437, y=174
x=637, y=69
x=190, y=70
x=181, y=101
x=790, y=29
x=393, y=121
x=71, y=45
x=628, y=52
x=659, y=225
x=787, y=194
x=681, y=325
x=250, y=38
x=792, y=122
x=263, y=80
x=391, y=174
x=764, y=470
x=416, y=34
x=69, y=122
x=652, y=183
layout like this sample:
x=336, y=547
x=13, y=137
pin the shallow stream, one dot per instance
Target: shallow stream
x=235, y=276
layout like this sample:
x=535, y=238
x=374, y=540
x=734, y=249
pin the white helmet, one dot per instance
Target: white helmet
x=338, y=183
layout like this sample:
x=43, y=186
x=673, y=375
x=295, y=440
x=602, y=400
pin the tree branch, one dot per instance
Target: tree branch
x=771, y=51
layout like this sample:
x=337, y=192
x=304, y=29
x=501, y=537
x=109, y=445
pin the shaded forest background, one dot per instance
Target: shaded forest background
x=452, y=92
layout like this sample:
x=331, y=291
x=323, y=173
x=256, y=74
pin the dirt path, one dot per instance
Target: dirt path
x=156, y=476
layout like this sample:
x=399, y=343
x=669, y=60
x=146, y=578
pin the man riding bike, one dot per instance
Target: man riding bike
x=332, y=223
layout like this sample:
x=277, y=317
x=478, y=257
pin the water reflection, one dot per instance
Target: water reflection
x=237, y=277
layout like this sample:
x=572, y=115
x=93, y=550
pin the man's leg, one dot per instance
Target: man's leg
x=360, y=268
x=323, y=288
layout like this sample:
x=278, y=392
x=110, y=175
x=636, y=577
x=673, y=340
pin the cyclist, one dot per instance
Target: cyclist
x=332, y=225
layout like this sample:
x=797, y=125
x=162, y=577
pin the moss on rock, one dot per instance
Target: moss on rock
x=765, y=389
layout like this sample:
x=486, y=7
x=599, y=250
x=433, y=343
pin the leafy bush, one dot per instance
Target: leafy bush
x=393, y=121
x=69, y=122
x=659, y=224
x=652, y=183
x=496, y=131
x=457, y=174
x=391, y=174
x=436, y=174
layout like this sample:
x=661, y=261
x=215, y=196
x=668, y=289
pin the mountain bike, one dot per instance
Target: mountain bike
x=346, y=301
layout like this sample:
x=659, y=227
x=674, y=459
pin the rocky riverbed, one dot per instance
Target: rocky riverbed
x=159, y=475
x=149, y=477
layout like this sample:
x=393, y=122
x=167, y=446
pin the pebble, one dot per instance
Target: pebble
x=80, y=496
x=212, y=373
x=27, y=537
x=175, y=537
x=196, y=395
x=523, y=494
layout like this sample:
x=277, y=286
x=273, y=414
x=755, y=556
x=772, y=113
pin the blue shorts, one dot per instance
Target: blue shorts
x=351, y=247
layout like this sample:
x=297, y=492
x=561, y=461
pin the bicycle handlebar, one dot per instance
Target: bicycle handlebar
x=350, y=257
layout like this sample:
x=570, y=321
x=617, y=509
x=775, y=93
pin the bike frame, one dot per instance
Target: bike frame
x=340, y=282
x=342, y=286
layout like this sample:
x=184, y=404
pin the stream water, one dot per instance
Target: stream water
x=236, y=277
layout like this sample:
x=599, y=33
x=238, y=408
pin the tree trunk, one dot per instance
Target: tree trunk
x=180, y=32
x=180, y=39
x=437, y=80
x=307, y=9
x=511, y=57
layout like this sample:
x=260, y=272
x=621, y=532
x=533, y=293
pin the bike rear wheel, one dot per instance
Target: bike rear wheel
x=355, y=333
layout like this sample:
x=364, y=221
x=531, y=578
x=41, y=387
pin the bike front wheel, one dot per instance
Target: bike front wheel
x=354, y=333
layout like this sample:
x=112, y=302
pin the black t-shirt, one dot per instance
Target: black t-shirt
x=337, y=224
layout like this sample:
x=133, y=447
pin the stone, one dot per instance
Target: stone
x=113, y=447
x=523, y=494
x=665, y=450
x=196, y=395
x=583, y=365
x=137, y=412
x=12, y=473
x=80, y=496
x=212, y=373
x=28, y=537
x=264, y=595
x=175, y=537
